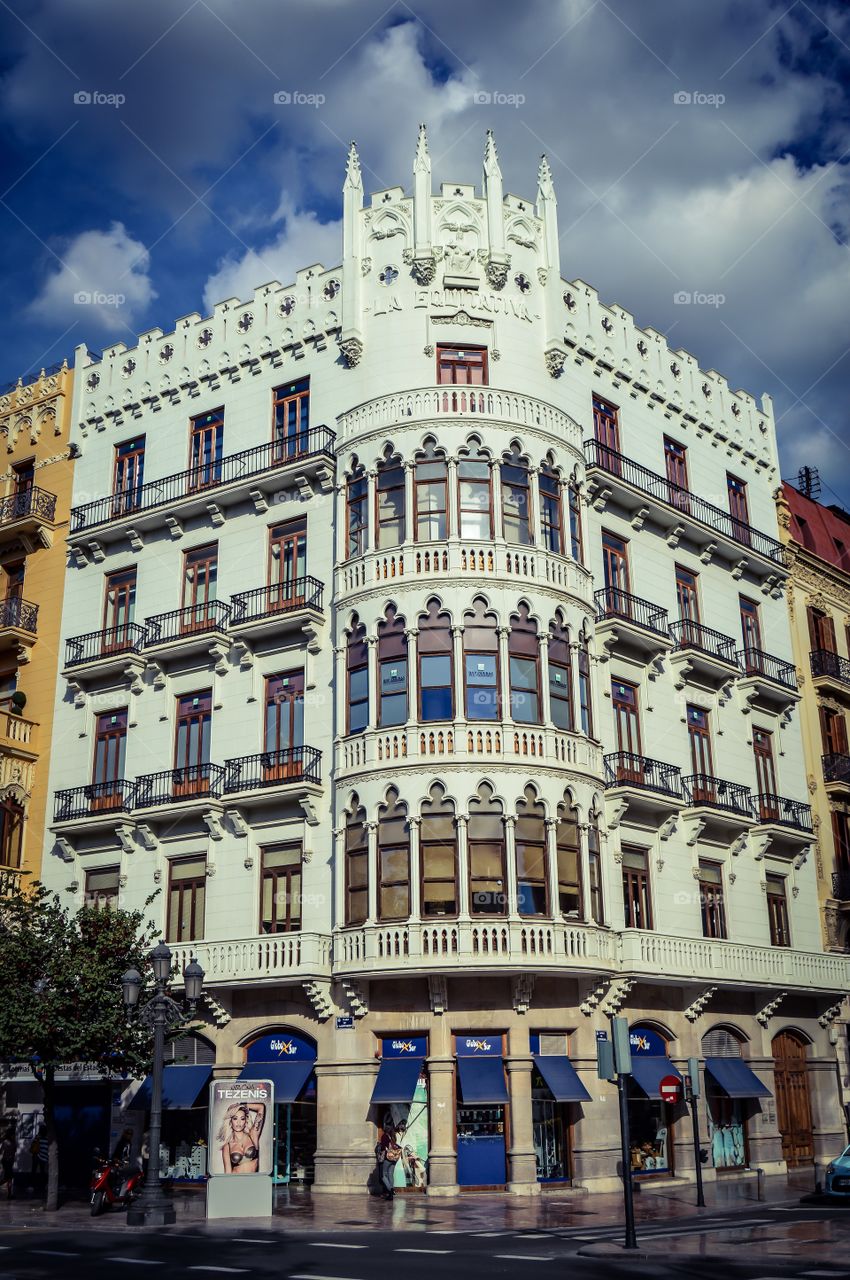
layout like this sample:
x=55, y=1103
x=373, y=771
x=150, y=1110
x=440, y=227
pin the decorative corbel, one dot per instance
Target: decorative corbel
x=759, y=844
x=555, y=359
x=707, y=553
x=260, y=501
x=66, y=851
x=692, y=829
x=305, y=489
x=236, y=822
x=309, y=810
x=76, y=553
x=135, y=540
x=124, y=832
x=829, y=1015
x=738, y=568
x=601, y=499
x=318, y=993
x=617, y=996
x=739, y=844
x=174, y=526
x=696, y=1007
x=357, y=994
x=674, y=536
x=77, y=692
x=523, y=987
x=212, y=822
x=216, y=514
x=97, y=552
x=147, y=837
x=668, y=827
x=157, y=675
x=438, y=996
x=312, y=631
x=615, y=811
x=219, y=653
x=764, y=1015
x=639, y=518
x=133, y=676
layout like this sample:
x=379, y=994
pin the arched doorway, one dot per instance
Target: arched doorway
x=793, y=1104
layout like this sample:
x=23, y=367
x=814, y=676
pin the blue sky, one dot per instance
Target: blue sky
x=698, y=147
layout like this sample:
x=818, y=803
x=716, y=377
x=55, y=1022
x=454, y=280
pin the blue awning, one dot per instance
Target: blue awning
x=736, y=1078
x=181, y=1087
x=561, y=1077
x=288, y=1078
x=397, y=1080
x=649, y=1069
x=482, y=1080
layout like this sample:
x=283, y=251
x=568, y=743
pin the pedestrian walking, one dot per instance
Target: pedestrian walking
x=388, y=1153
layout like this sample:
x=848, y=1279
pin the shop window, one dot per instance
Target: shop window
x=551, y=1121
x=636, y=895
x=585, y=697
x=531, y=860
x=431, y=496
x=11, y=833
x=438, y=855
x=777, y=911
x=551, y=519
x=356, y=865
x=357, y=677
x=461, y=366
x=187, y=879
x=280, y=890
x=390, y=498
x=392, y=669
x=560, y=677
x=102, y=888
x=568, y=852
x=652, y=1147
x=523, y=657
x=475, y=497
x=356, y=512
x=436, y=665
x=291, y=419
x=206, y=449
x=516, y=499
x=486, y=844
x=393, y=859
x=727, y=1117
x=712, y=903
x=481, y=663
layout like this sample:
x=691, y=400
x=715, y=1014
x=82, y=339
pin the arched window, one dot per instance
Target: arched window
x=356, y=512
x=393, y=859
x=594, y=862
x=11, y=833
x=486, y=841
x=356, y=865
x=436, y=665
x=357, y=677
x=532, y=896
x=430, y=487
x=568, y=852
x=585, y=698
x=560, y=677
x=551, y=518
x=516, y=499
x=576, y=535
x=438, y=855
x=720, y=1042
x=392, y=669
x=390, y=498
x=523, y=651
x=481, y=664
x=475, y=499
x=190, y=1051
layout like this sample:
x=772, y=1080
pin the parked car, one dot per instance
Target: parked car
x=837, y=1181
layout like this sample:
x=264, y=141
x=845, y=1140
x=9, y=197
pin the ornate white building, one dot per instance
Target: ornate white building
x=414, y=675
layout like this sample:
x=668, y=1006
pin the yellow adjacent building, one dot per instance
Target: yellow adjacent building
x=35, y=497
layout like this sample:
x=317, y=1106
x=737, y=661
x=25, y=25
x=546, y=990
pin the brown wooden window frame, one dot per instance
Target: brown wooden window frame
x=478, y=362
x=637, y=888
x=712, y=899
x=196, y=887
x=284, y=874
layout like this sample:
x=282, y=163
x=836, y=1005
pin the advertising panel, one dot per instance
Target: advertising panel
x=241, y=1124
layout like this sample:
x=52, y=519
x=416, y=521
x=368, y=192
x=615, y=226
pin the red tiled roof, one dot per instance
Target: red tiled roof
x=825, y=531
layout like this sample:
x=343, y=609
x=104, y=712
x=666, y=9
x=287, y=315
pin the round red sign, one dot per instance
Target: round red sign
x=670, y=1088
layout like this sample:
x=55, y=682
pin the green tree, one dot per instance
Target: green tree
x=60, y=995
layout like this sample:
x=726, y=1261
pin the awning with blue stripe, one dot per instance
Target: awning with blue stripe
x=482, y=1080
x=288, y=1078
x=561, y=1077
x=736, y=1079
x=649, y=1069
x=397, y=1080
x=181, y=1088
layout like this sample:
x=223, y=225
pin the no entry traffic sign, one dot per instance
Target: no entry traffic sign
x=670, y=1088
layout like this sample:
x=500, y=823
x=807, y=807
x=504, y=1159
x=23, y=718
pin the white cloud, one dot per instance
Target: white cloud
x=103, y=282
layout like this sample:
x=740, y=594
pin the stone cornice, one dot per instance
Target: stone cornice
x=811, y=573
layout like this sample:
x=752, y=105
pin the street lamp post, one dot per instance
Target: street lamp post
x=152, y=1208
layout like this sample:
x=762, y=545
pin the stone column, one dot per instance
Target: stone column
x=345, y=1149
x=462, y=869
x=409, y=469
x=372, y=837
x=415, y=873
x=552, y=867
x=504, y=680
x=522, y=1165
x=543, y=676
x=371, y=509
x=534, y=513
x=412, y=677
x=459, y=683
x=496, y=487
x=372, y=675
x=340, y=691
x=442, y=1157
x=510, y=859
x=584, y=871
x=452, y=506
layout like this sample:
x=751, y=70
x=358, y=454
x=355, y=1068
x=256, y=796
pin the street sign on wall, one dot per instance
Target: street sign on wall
x=670, y=1088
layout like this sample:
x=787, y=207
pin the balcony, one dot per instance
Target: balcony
x=703, y=653
x=831, y=673
x=258, y=779
x=96, y=804
x=466, y=741
x=787, y=824
x=679, y=512
x=28, y=514
x=767, y=681
x=277, y=958
x=18, y=624
x=189, y=786
x=198, y=628
x=665, y=958
x=629, y=624
x=648, y=790
x=722, y=808
x=104, y=653
x=836, y=772
x=278, y=608
x=434, y=404
x=234, y=478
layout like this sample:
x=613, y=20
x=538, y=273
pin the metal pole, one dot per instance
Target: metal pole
x=152, y=1207
x=625, y=1147
x=697, y=1161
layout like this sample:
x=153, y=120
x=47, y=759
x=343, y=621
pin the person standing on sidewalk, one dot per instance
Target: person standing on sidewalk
x=389, y=1154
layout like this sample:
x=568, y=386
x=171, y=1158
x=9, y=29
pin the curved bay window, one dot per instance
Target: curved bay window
x=392, y=669
x=356, y=865
x=390, y=502
x=516, y=499
x=436, y=665
x=438, y=855
x=430, y=496
x=568, y=854
x=356, y=512
x=481, y=664
x=551, y=518
x=576, y=535
x=11, y=833
x=530, y=838
x=357, y=678
x=474, y=495
x=524, y=664
x=393, y=859
x=486, y=846
x=560, y=677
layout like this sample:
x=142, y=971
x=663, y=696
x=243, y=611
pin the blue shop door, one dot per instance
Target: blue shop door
x=83, y=1114
x=481, y=1146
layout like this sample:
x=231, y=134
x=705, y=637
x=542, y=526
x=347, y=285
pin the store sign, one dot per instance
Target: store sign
x=405, y=1047
x=476, y=1046
x=281, y=1046
x=645, y=1040
x=241, y=1125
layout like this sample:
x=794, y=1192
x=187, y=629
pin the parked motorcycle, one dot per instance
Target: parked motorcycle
x=109, y=1185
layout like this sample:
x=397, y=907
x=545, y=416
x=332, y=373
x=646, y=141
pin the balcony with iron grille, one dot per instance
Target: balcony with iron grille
x=836, y=772
x=719, y=807
x=190, y=787
x=831, y=673
x=647, y=789
x=701, y=652
x=197, y=628
x=253, y=474
x=767, y=681
x=290, y=606
x=628, y=624
x=30, y=513
x=680, y=513
x=96, y=804
x=785, y=823
x=841, y=886
x=269, y=776
x=104, y=653
x=18, y=625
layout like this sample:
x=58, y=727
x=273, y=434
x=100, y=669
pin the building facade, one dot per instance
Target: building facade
x=399, y=685
x=34, y=509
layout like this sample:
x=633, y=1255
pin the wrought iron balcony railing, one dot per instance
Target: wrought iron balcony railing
x=273, y=769
x=128, y=638
x=15, y=612
x=279, y=597
x=611, y=602
x=212, y=474
x=836, y=767
x=755, y=662
x=625, y=769
x=28, y=502
x=702, y=789
x=826, y=663
x=694, y=635
x=841, y=884
x=115, y=796
x=682, y=500
x=173, y=786
x=785, y=812
x=164, y=628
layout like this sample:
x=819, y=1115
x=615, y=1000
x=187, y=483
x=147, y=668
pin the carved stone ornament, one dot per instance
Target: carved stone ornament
x=352, y=351
x=463, y=318
x=423, y=270
x=497, y=273
x=555, y=361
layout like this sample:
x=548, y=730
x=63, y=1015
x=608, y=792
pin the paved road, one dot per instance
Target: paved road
x=814, y=1242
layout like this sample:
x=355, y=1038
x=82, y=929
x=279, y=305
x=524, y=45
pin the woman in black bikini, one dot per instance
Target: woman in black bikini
x=240, y=1137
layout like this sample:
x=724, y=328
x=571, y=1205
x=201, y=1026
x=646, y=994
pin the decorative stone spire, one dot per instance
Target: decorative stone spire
x=547, y=211
x=495, y=211
x=545, y=189
x=350, y=340
x=422, y=265
x=422, y=160
x=353, y=176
